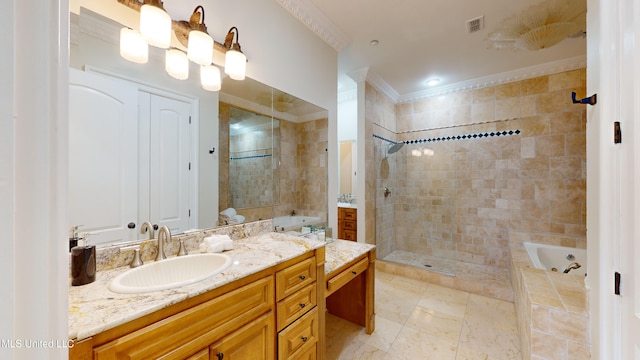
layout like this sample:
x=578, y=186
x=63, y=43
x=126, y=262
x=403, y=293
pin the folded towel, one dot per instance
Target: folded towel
x=216, y=244
x=228, y=212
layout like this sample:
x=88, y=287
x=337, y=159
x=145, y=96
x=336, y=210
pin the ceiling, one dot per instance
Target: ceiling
x=420, y=40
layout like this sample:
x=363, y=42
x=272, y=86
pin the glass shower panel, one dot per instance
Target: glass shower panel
x=416, y=221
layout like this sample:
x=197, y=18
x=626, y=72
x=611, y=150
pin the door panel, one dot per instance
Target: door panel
x=102, y=156
x=169, y=183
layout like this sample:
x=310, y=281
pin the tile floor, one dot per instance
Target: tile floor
x=421, y=321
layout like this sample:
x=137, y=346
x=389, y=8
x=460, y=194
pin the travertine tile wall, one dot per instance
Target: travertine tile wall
x=306, y=179
x=312, y=167
x=533, y=182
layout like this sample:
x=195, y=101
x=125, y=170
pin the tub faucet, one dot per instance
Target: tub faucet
x=163, y=233
x=572, y=266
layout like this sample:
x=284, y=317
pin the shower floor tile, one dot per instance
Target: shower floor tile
x=431, y=263
x=420, y=320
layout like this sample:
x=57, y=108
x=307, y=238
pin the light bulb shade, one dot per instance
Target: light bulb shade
x=155, y=26
x=133, y=47
x=210, y=78
x=200, y=47
x=235, y=64
x=177, y=64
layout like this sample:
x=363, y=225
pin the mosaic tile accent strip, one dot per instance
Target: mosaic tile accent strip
x=457, y=137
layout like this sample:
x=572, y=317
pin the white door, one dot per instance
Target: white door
x=103, y=148
x=630, y=179
x=613, y=178
x=169, y=183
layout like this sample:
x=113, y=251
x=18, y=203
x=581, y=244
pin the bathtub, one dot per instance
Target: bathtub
x=294, y=223
x=550, y=257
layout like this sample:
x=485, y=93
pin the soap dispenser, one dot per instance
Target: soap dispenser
x=83, y=263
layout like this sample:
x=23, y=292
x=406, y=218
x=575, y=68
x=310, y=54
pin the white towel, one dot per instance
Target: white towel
x=216, y=244
x=229, y=212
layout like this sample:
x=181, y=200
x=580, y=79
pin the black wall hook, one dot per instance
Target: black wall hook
x=213, y=149
x=591, y=100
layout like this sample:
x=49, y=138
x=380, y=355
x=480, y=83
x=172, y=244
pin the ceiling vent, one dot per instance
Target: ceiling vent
x=475, y=25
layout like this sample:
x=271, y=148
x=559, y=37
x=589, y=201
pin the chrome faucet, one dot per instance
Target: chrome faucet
x=572, y=266
x=147, y=226
x=163, y=233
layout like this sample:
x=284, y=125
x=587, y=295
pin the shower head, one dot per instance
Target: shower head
x=395, y=147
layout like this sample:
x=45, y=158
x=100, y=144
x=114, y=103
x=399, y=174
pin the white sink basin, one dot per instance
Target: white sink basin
x=170, y=273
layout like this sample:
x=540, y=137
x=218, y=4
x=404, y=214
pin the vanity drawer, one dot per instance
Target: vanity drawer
x=296, y=305
x=295, y=277
x=295, y=341
x=346, y=275
x=350, y=225
x=191, y=330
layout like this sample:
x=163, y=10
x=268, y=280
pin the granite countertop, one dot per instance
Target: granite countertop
x=340, y=252
x=93, y=308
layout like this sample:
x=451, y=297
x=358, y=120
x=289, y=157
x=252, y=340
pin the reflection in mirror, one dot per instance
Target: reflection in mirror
x=348, y=166
x=298, y=160
x=300, y=172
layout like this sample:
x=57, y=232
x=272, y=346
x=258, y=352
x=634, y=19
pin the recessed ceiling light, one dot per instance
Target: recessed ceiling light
x=433, y=82
x=374, y=42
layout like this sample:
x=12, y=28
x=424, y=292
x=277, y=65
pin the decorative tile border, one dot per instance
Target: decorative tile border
x=456, y=137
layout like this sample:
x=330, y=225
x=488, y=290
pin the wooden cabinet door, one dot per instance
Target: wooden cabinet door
x=253, y=341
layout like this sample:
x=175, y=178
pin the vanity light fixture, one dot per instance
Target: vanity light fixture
x=176, y=64
x=155, y=24
x=235, y=63
x=133, y=47
x=210, y=78
x=200, y=44
x=156, y=27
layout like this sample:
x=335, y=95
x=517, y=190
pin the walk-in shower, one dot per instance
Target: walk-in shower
x=415, y=222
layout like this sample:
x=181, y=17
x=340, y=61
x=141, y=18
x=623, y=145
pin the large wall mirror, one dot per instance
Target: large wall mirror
x=181, y=156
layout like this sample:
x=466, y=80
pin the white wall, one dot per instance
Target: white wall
x=348, y=117
x=34, y=95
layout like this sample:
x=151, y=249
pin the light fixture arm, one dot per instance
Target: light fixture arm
x=228, y=40
x=194, y=21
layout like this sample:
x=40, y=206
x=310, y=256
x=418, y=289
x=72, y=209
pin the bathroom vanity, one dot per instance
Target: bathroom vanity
x=269, y=304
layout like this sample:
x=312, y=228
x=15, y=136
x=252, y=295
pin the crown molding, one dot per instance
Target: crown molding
x=574, y=63
x=358, y=75
x=317, y=22
x=379, y=84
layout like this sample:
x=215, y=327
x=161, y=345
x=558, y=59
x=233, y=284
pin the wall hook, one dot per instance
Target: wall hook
x=591, y=100
x=213, y=149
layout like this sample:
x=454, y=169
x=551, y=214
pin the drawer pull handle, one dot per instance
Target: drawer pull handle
x=220, y=356
x=354, y=273
x=302, y=305
x=302, y=277
x=304, y=339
